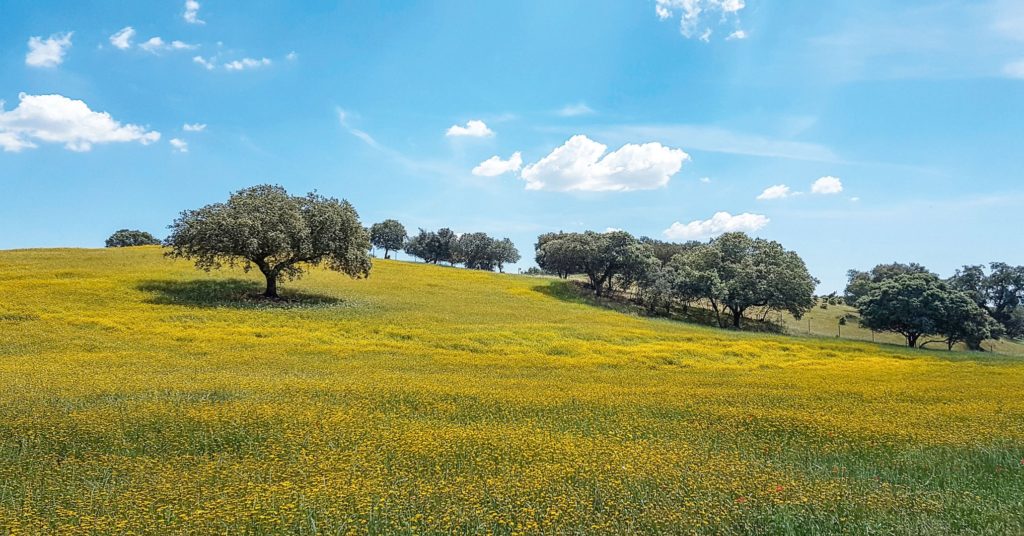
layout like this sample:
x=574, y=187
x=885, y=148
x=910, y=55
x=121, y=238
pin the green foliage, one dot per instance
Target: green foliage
x=920, y=304
x=600, y=256
x=388, y=235
x=476, y=251
x=1001, y=293
x=129, y=237
x=859, y=283
x=278, y=233
x=735, y=272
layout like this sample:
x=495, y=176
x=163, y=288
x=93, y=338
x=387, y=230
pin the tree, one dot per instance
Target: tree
x=735, y=273
x=556, y=255
x=388, y=235
x=1000, y=293
x=859, y=283
x=280, y=234
x=129, y=237
x=664, y=251
x=904, y=304
x=505, y=253
x=476, y=251
x=444, y=244
x=598, y=255
x=959, y=319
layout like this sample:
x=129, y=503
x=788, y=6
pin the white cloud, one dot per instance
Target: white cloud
x=179, y=145
x=48, y=52
x=721, y=140
x=705, y=180
x=474, y=128
x=1014, y=69
x=343, y=118
x=574, y=110
x=854, y=199
x=611, y=230
x=827, y=186
x=123, y=38
x=207, y=64
x=291, y=56
x=738, y=34
x=778, y=191
x=58, y=119
x=194, y=127
x=192, y=12
x=582, y=164
x=694, y=15
x=721, y=222
x=494, y=166
x=246, y=63
x=157, y=44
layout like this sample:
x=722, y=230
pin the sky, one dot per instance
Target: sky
x=854, y=133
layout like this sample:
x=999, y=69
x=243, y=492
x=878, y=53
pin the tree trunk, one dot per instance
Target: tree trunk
x=386, y=253
x=737, y=314
x=912, y=341
x=271, y=291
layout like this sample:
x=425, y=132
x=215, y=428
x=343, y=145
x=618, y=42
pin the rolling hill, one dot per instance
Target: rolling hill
x=143, y=396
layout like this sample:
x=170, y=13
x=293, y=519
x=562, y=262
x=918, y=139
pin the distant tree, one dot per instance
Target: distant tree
x=476, y=251
x=129, y=237
x=556, y=255
x=388, y=235
x=505, y=253
x=444, y=245
x=600, y=256
x=1000, y=293
x=959, y=319
x=278, y=233
x=735, y=272
x=859, y=283
x=906, y=304
x=664, y=251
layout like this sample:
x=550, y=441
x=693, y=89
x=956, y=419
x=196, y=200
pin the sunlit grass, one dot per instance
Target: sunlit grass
x=142, y=396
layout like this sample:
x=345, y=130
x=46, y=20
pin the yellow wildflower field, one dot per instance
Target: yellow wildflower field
x=141, y=396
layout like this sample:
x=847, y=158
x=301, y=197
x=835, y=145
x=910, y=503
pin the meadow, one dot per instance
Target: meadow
x=141, y=396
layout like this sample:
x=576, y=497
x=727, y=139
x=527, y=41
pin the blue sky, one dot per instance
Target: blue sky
x=889, y=131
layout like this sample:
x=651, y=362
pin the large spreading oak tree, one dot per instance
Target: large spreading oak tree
x=280, y=234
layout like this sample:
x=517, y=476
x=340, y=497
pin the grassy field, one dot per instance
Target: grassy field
x=141, y=396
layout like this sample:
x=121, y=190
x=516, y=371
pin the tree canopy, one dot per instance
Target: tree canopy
x=129, y=237
x=477, y=251
x=388, y=235
x=280, y=234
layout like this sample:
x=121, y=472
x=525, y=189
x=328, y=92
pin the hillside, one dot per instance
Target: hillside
x=141, y=395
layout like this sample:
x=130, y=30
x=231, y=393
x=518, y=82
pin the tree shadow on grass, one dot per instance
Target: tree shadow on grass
x=234, y=293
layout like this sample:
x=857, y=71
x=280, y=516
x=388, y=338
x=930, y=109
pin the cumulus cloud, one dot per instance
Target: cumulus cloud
x=494, y=166
x=58, y=119
x=191, y=14
x=738, y=34
x=778, y=191
x=123, y=38
x=695, y=15
x=245, y=63
x=583, y=164
x=574, y=110
x=474, y=129
x=48, y=52
x=194, y=127
x=721, y=222
x=179, y=145
x=827, y=186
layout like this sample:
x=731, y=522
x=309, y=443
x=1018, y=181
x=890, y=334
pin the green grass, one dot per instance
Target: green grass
x=142, y=396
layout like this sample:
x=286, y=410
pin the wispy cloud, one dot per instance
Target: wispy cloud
x=575, y=110
x=722, y=140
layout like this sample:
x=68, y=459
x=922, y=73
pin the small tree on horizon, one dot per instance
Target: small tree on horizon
x=388, y=235
x=124, y=238
x=280, y=234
